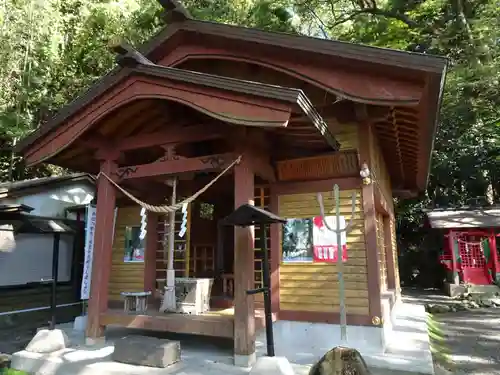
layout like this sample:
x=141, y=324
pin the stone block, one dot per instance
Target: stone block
x=4, y=361
x=147, y=351
x=272, y=366
x=48, y=341
x=341, y=361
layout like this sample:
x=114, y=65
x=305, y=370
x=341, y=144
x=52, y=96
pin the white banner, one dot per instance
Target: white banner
x=325, y=246
x=90, y=222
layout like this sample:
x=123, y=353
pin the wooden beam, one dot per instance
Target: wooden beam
x=103, y=251
x=256, y=147
x=164, y=167
x=260, y=162
x=365, y=136
x=172, y=135
x=150, y=252
x=244, y=312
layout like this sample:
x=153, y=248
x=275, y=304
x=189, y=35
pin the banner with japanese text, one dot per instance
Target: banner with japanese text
x=90, y=222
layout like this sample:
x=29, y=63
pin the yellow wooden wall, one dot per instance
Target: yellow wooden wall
x=127, y=277
x=314, y=286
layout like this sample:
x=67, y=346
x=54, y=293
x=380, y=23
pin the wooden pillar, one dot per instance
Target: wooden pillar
x=275, y=252
x=150, y=252
x=389, y=254
x=365, y=137
x=244, y=311
x=454, y=264
x=103, y=248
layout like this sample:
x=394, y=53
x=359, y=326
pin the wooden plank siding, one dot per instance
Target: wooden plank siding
x=314, y=286
x=125, y=276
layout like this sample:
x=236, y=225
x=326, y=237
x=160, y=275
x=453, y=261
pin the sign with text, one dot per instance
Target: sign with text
x=90, y=221
x=325, y=247
x=340, y=164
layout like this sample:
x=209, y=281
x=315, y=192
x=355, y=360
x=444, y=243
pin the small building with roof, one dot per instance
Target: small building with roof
x=470, y=243
x=31, y=212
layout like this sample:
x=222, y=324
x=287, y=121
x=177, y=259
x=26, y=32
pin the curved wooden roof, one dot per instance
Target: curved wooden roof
x=404, y=89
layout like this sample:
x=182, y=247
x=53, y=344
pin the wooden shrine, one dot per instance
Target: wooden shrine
x=304, y=114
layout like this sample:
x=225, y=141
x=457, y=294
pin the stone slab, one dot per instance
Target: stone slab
x=4, y=360
x=272, y=366
x=48, y=341
x=146, y=351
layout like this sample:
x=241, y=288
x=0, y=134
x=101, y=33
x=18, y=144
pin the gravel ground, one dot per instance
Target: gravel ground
x=465, y=342
x=473, y=340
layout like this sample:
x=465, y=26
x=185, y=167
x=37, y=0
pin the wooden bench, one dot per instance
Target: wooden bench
x=135, y=301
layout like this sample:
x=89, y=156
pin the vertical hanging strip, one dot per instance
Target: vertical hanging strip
x=188, y=241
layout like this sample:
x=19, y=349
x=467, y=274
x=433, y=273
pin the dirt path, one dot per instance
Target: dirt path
x=465, y=342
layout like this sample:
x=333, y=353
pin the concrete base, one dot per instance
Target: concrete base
x=80, y=324
x=406, y=351
x=48, y=341
x=272, y=366
x=401, y=345
x=94, y=341
x=454, y=290
x=245, y=360
x=97, y=360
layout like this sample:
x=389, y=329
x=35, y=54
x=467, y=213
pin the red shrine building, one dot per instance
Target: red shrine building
x=304, y=114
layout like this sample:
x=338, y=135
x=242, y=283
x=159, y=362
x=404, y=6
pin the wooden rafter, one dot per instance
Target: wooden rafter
x=165, y=167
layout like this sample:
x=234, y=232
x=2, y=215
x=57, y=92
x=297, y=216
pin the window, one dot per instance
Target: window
x=309, y=240
x=297, y=240
x=134, y=246
x=206, y=211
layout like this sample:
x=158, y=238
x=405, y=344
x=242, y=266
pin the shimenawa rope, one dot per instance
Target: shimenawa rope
x=177, y=206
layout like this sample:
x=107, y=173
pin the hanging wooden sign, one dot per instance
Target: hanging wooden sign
x=340, y=164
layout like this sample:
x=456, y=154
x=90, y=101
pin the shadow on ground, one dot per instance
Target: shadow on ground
x=465, y=342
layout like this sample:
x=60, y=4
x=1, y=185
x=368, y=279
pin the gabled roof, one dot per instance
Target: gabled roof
x=465, y=217
x=299, y=43
x=425, y=72
x=25, y=187
x=138, y=65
